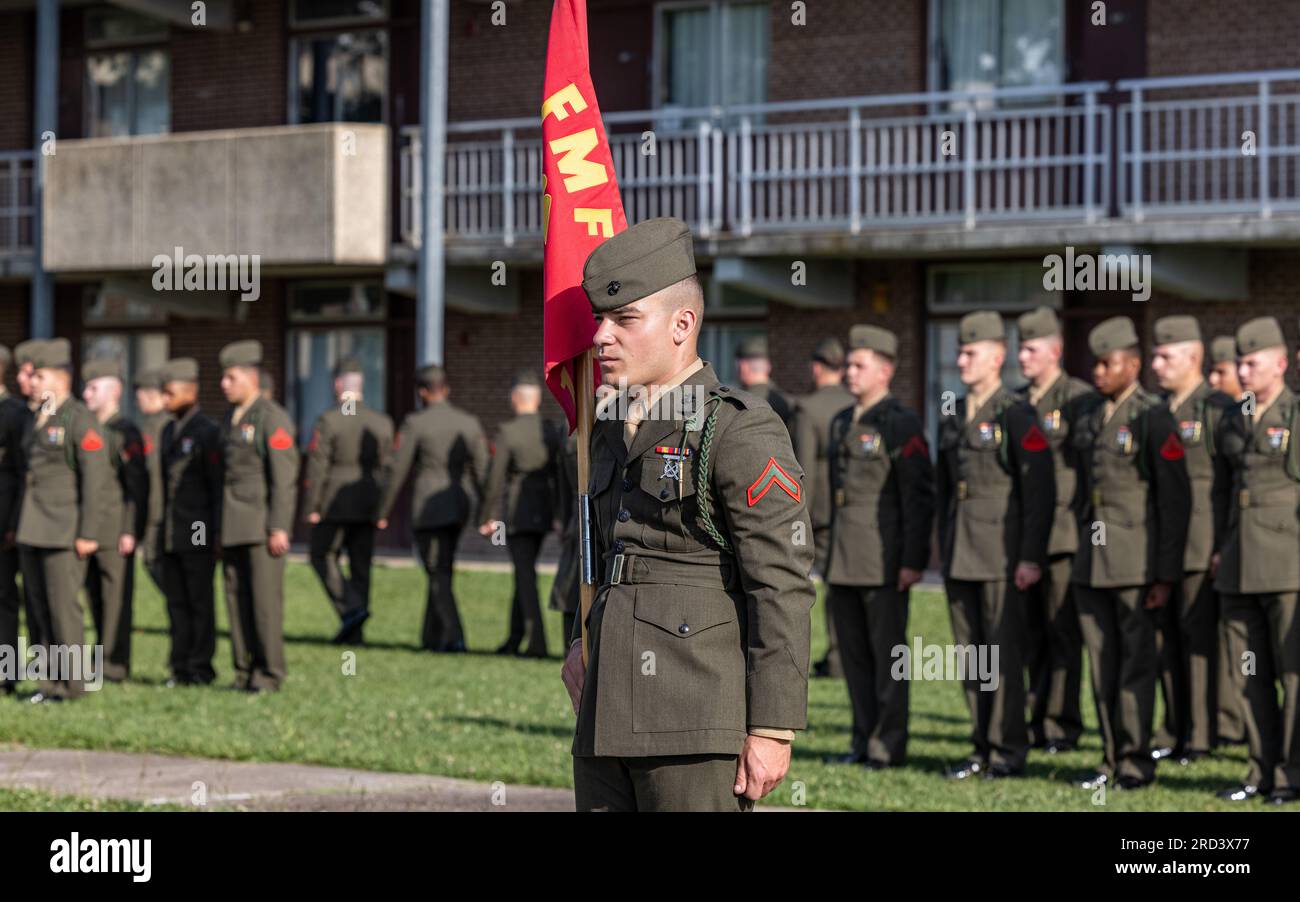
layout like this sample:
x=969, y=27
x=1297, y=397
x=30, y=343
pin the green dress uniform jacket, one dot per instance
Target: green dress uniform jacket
x=1137, y=486
x=125, y=499
x=996, y=490
x=151, y=429
x=68, y=475
x=446, y=447
x=523, y=474
x=260, y=485
x=1259, y=497
x=811, y=434
x=346, y=459
x=700, y=630
x=882, y=490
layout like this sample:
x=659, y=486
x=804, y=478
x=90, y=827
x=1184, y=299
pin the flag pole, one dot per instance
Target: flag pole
x=585, y=402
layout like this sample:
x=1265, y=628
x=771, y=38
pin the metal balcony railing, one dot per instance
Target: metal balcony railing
x=1011, y=155
x=16, y=205
x=1210, y=144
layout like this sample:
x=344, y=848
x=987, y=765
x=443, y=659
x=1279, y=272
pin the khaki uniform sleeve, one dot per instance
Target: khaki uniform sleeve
x=403, y=456
x=281, y=471
x=96, y=476
x=759, y=489
x=134, y=475
x=318, y=459
x=496, y=476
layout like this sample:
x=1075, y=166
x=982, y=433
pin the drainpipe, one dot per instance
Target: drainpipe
x=430, y=305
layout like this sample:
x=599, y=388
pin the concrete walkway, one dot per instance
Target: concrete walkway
x=244, y=785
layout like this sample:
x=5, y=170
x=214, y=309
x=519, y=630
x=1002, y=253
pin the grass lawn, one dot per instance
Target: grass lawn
x=487, y=718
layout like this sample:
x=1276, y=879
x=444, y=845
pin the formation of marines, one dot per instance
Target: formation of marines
x=1157, y=533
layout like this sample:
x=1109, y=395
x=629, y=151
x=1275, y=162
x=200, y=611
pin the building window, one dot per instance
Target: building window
x=985, y=44
x=957, y=289
x=331, y=321
x=339, y=75
x=709, y=54
x=137, y=351
x=128, y=75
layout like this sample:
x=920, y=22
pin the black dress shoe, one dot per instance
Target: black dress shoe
x=822, y=668
x=531, y=653
x=1283, y=796
x=1163, y=752
x=350, y=627
x=965, y=770
x=873, y=764
x=1055, y=746
x=1243, y=793
x=1002, y=772
x=451, y=648
x=849, y=758
x=1092, y=781
x=1130, y=783
x=8, y=689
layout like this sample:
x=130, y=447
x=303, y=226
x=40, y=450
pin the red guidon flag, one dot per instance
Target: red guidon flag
x=581, y=206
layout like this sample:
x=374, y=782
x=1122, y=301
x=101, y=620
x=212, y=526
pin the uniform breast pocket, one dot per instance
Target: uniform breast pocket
x=668, y=479
x=688, y=661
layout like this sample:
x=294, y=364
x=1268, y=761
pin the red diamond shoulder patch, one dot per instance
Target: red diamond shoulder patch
x=1034, y=439
x=1172, y=449
x=280, y=440
x=773, y=474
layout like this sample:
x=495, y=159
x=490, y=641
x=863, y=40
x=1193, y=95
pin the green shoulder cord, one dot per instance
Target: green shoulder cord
x=703, y=493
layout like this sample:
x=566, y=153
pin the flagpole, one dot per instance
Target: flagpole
x=585, y=402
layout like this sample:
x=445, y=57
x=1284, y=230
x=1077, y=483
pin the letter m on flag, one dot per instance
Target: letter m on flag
x=581, y=206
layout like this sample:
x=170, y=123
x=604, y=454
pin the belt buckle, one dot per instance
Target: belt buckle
x=616, y=577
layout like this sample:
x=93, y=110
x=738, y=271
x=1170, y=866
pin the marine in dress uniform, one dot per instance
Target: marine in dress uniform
x=260, y=487
x=110, y=571
x=698, y=667
x=1132, y=536
x=347, y=457
x=446, y=449
x=153, y=416
x=1231, y=730
x=68, y=474
x=810, y=431
x=13, y=421
x=882, y=512
x=1258, y=574
x=1188, y=631
x=565, y=590
x=755, y=372
x=996, y=498
x=190, y=461
x=520, y=490
x=1054, y=650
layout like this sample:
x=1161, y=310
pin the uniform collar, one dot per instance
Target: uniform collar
x=1111, y=407
x=1036, y=395
x=1278, y=402
x=860, y=410
x=975, y=404
x=1196, y=391
x=651, y=432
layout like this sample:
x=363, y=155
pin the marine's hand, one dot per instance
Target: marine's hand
x=907, y=578
x=277, y=543
x=1027, y=575
x=1158, y=596
x=761, y=766
x=85, y=547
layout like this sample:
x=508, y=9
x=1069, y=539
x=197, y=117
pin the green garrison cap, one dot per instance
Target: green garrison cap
x=149, y=378
x=982, y=325
x=25, y=351
x=1173, y=329
x=754, y=346
x=1112, y=335
x=241, y=353
x=1038, y=323
x=1223, y=349
x=348, y=365
x=873, y=338
x=637, y=262
x=830, y=352
x=101, y=367
x=1261, y=332
x=179, y=369
x=56, y=352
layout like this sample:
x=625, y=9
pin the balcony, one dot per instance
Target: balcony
x=309, y=195
x=912, y=174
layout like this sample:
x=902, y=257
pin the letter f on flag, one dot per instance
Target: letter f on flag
x=581, y=206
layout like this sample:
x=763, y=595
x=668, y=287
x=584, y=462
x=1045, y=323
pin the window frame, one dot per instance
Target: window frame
x=295, y=42
x=934, y=36
x=718, y=46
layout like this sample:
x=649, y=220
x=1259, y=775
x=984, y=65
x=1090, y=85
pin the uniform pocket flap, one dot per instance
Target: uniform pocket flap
x=684, y=616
